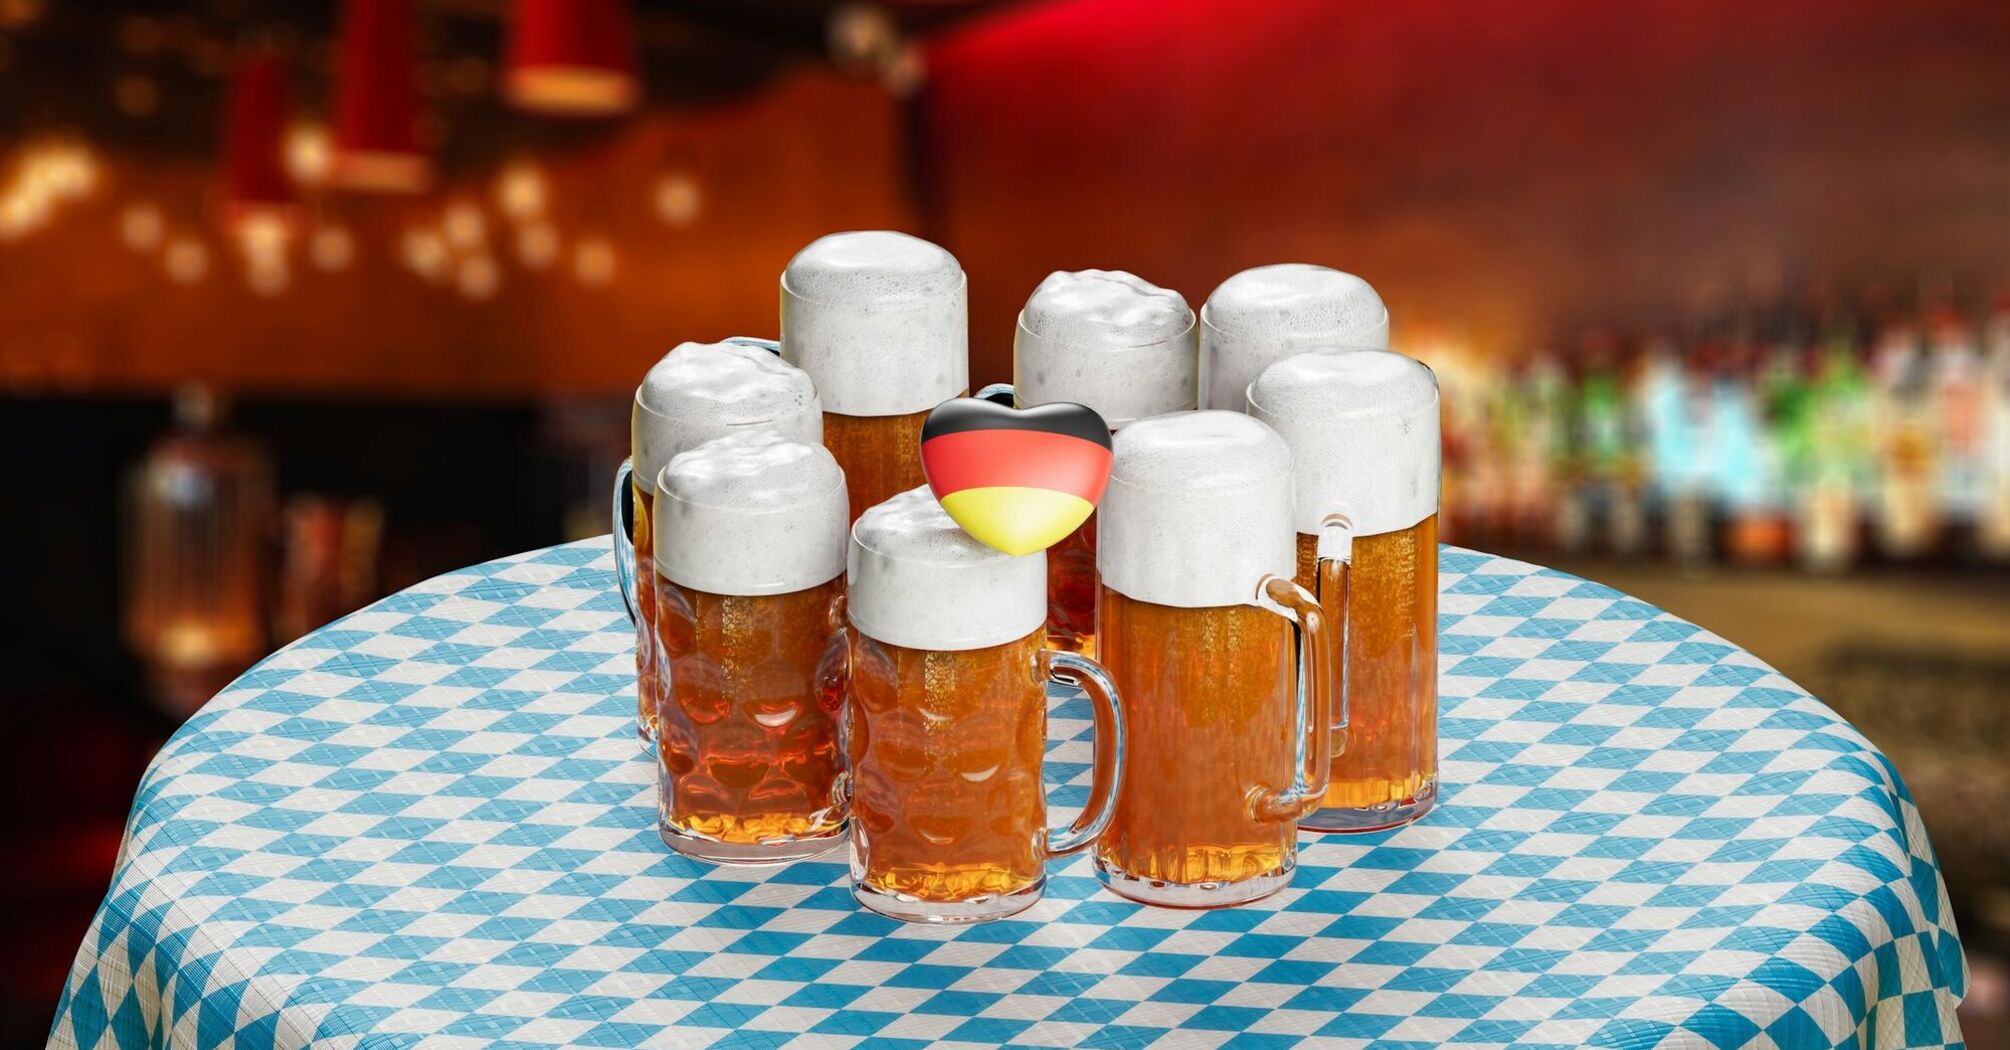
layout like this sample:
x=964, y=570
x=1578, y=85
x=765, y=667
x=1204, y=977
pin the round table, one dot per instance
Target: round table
x=429, y=822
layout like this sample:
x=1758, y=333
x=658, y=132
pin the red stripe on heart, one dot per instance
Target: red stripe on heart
x=970, y=459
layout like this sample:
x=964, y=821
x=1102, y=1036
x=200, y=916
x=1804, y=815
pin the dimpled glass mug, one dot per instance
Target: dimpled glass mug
x=749, y=584
x=1363, y=430
x=880, y=321
x=1227, y=716
x=1122, y=346
x=946, y=720
x=697, y=392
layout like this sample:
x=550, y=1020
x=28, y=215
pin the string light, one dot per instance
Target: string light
x=593, y=261
x=309, y=152
x=267, y=276
x=537, y=246
x=426, y=253
x=135, y=95
x=520, y=190
x=678, y=199
x=186, y=260
x=478, y=276
x=331, y=248
x=464, y=226
x=141, y=227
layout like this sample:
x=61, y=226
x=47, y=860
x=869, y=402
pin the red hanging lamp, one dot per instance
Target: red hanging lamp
x=257, y=191
x=572, y=58
x=378, y=147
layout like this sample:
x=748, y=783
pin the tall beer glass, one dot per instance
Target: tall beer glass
x=1363, y=430
x=1228, y=745
x=1270, y=312
x=946, y=720
x=1124, y=347
x=697, y=392
x=749, y=577
x=880, y=321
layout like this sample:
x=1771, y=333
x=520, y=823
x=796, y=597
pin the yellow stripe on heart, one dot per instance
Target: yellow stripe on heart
x=1017, y=519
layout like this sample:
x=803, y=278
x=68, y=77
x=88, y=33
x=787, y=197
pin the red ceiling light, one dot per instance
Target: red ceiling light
x=256, y=187
x=571, y=58
x=377, y=142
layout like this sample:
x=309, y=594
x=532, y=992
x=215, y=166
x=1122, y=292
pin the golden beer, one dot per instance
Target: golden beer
x=881, y=455
x=1127, y=349
x=946, y=720
x=1195, y=625
x=749, y=580
x=1390, y=763
x=945, y=751
x=1364, y=427
x=880, y=321
x=697, y=392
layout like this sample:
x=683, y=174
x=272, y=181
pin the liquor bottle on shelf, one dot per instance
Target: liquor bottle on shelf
x=1838, y=453
x=1992, y=527
x=1955, y=407
x=1905, y=508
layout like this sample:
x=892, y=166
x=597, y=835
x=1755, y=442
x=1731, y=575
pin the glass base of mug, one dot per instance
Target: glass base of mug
x=747, y=854
x=949, y=913
x=1379, y=817
x=1164, y=894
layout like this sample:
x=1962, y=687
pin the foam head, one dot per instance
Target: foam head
x=751, y=513
x=1363, y=428
x=1109, y=340
x=914, y=578
x=880, y=320
x=1269, y=312
x=1197, y=512
x=700, y=391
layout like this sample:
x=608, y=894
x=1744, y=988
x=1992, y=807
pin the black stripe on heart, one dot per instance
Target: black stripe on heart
x=1058, y=417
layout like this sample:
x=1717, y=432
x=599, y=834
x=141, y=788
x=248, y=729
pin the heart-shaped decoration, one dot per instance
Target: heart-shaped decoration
x=1017, y=479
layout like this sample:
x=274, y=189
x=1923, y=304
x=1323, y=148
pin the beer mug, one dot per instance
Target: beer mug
x=1270, y=312
x=1227, y=717
x=697, y=392
x=1122, y=346
x=749, y=577
x=1363, y=431
x=946, y=720
x=880, y=322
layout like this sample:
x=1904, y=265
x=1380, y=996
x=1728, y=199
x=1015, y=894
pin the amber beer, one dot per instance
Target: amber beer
x=697, y=392
x=946, y=720
x=1122, y=346
x=880, y=322
x=1363, y=425
x=748, y=582
x=1267, y=313
x=1227, y=717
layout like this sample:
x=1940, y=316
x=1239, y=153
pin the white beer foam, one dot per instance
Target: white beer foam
x=1197, y=512
x=880, y=320
x=1363, y=428
x=914, y=578
x=1109, y=340
x=751, y=513
x=1263, y=314
x=700, y=391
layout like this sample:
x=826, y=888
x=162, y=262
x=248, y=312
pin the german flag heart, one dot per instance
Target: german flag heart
x=1018, y=479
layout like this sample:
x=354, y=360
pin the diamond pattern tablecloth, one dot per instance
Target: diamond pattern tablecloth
x=429, y=823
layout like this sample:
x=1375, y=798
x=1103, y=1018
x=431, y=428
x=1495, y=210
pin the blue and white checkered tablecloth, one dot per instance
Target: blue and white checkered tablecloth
x=429, y=823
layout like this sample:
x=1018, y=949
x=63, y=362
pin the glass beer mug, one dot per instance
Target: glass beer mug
x=1270, y=312
x=697, y=392
x=946, y=720
x=1363, y=429
x=1122, y=346
x=880, y=322
x=1227, y=717
x=749, y=579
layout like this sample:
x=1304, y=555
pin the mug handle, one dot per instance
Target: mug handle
x=1335, y=575
x=1312, y=710
x=1107, y=775
x=624, y=534
x=998, y=394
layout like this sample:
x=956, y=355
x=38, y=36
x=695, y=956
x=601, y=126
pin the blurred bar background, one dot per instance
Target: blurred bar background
x=302, y=303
